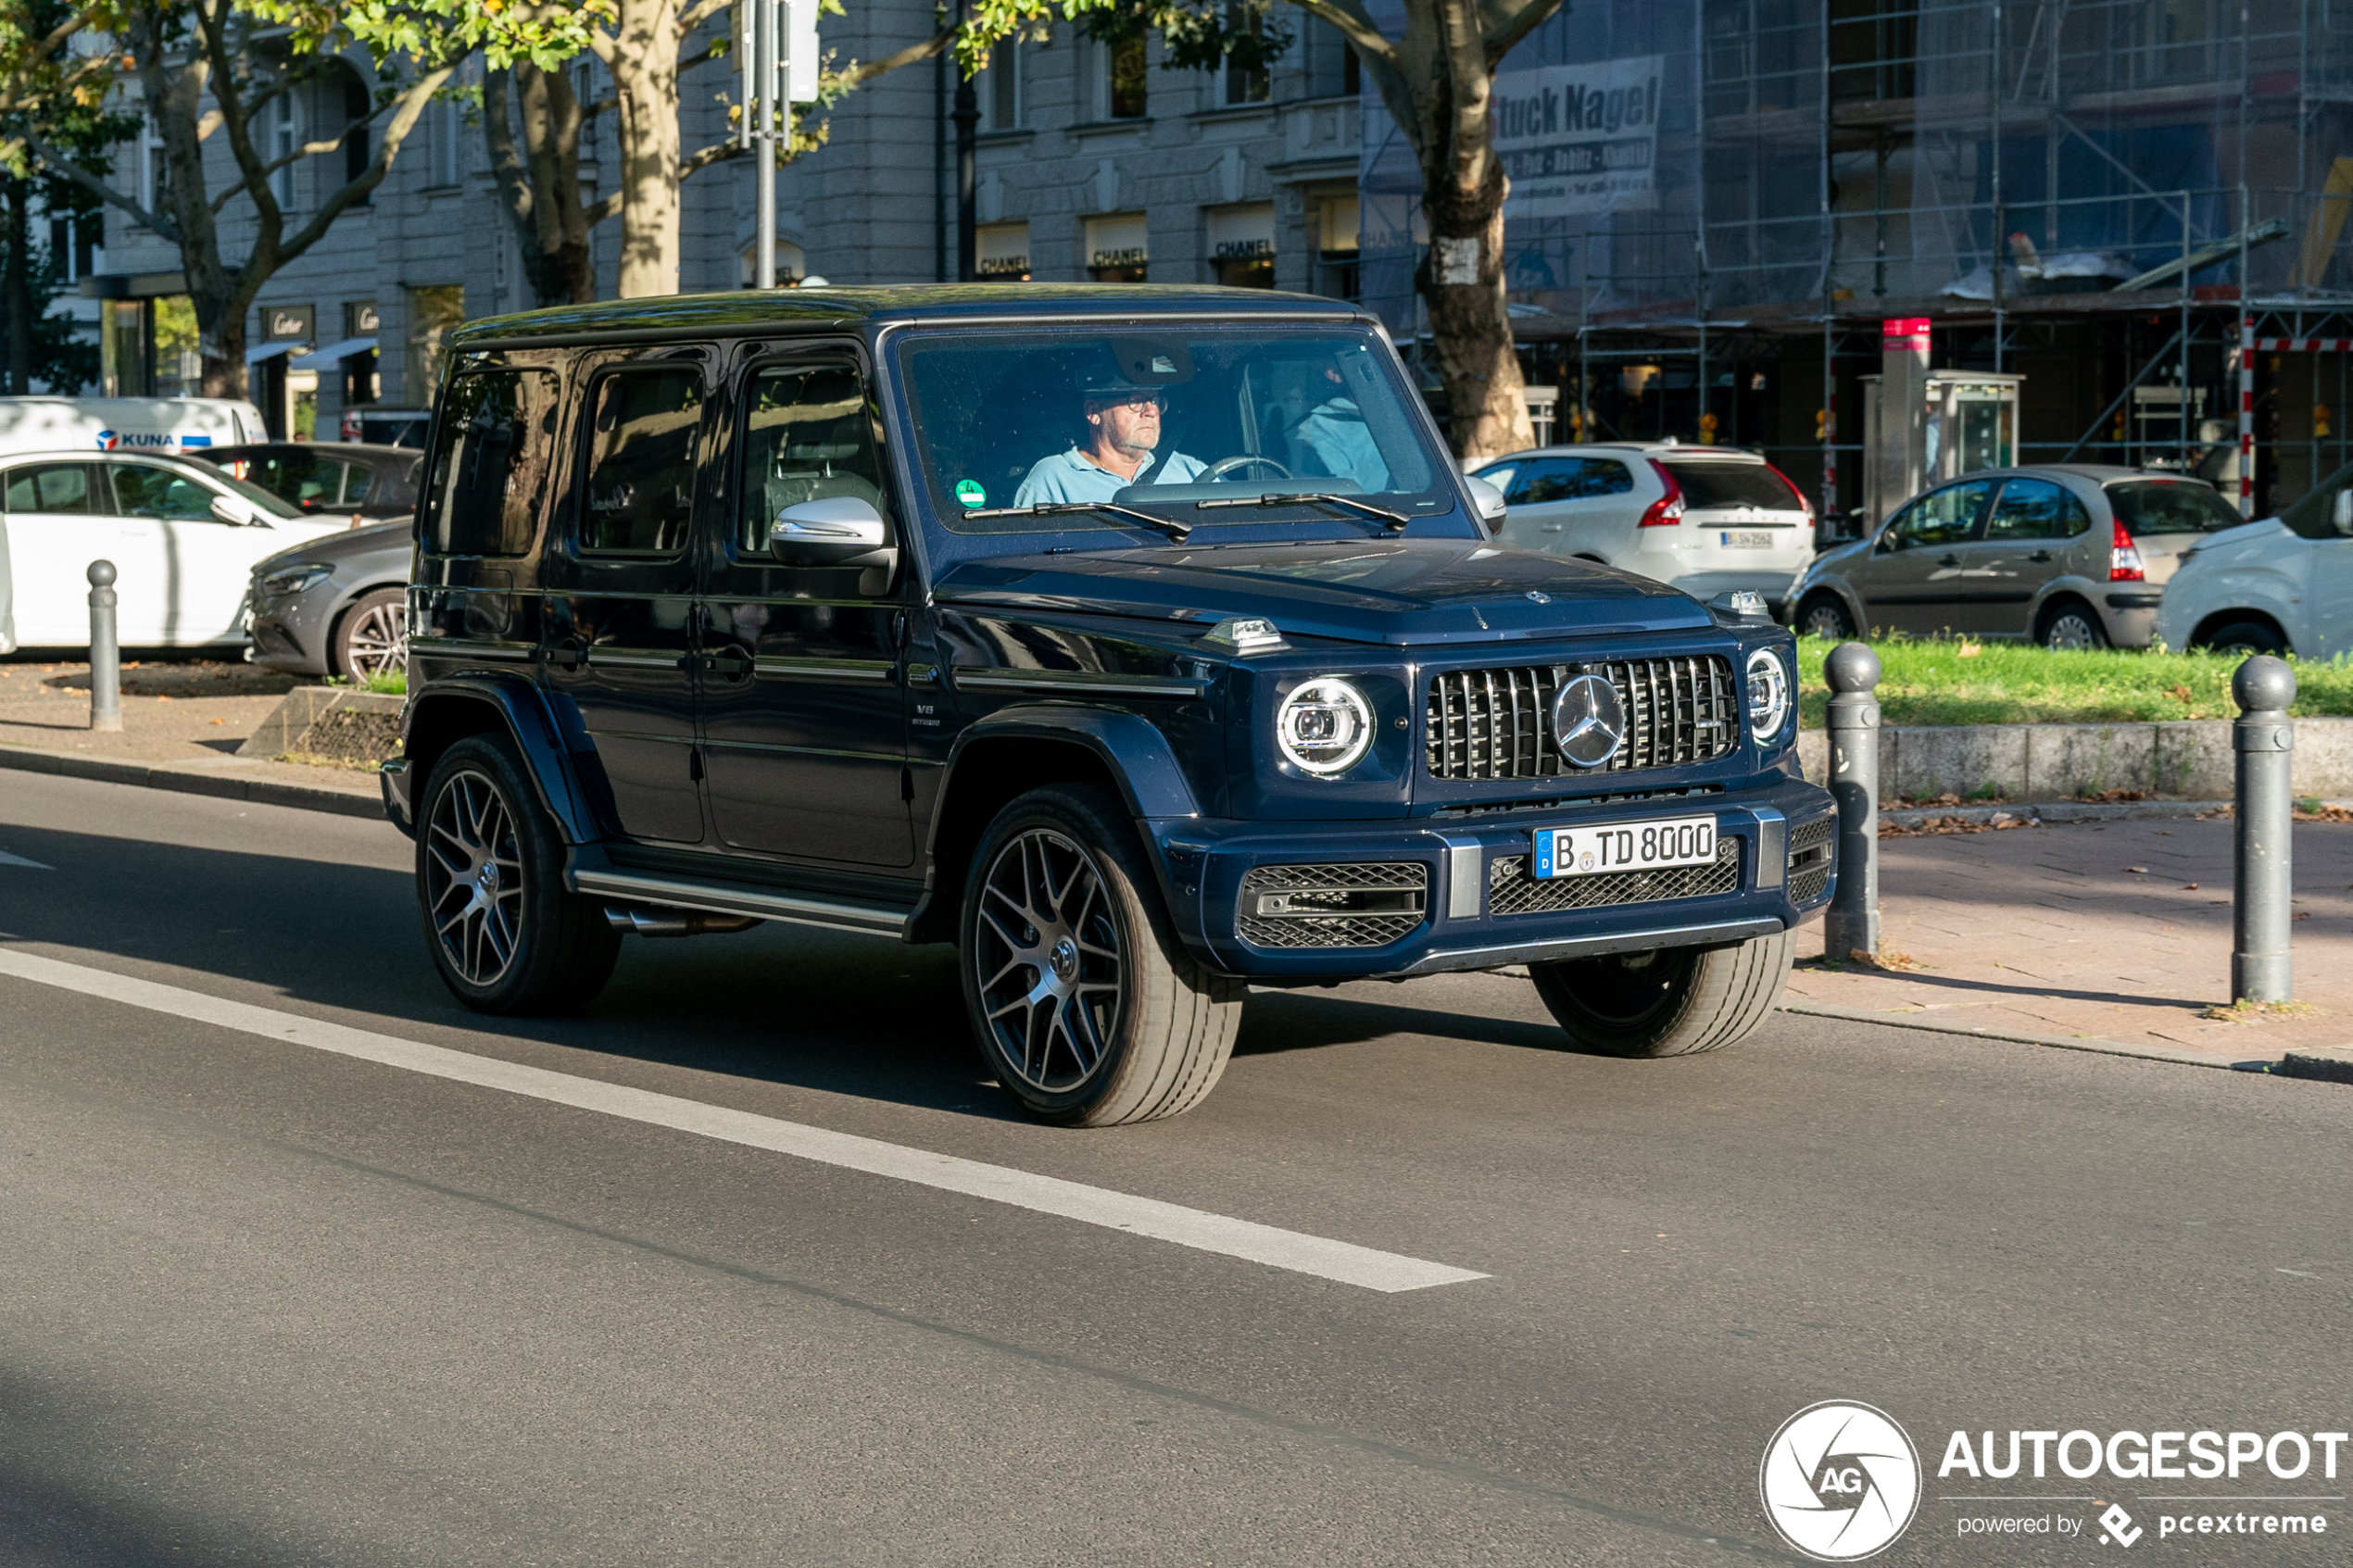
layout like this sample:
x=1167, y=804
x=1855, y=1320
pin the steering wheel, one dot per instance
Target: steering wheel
x=1225, y=465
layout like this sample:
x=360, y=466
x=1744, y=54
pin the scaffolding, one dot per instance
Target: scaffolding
x=2114, y=198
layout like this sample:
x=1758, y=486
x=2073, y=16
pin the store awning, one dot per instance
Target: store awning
x=334, y=354
x=271, y=350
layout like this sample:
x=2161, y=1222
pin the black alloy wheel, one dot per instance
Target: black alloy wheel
x=1823, y=616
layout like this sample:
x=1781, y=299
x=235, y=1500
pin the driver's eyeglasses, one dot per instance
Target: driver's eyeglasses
x=1139, y=400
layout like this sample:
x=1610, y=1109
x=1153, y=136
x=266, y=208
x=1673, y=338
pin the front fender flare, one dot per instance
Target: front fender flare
x=1131, y=746
x=524, y=712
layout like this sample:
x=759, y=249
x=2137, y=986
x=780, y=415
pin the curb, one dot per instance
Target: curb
x=2323, y=1066
x=2065, y=1042
x=2052, y=811
x=213, y=780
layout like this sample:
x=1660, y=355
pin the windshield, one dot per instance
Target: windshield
x=2171, y=505
x=274, y=505
x=1181, y=422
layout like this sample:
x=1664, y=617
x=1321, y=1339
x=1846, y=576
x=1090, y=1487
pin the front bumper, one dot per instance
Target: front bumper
x=1464, y=877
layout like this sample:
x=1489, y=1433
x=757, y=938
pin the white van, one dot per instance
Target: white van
x=126, y=424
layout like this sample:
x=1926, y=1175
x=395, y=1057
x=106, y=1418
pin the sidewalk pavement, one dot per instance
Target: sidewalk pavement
x=183, y=721
x=2114, y=931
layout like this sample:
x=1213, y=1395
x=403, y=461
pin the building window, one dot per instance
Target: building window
x=998, y=88
x=155, y=173
x=1246, y=84
x=1333, y=70
x=1005, y=253
x=1242, y=244
x=1338, y=219
x=281, y=144
x=356, y=150
x=1117, y=249
x=446, y=124
x=1128, y=84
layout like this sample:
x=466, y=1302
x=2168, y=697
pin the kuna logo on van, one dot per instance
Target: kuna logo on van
x=112, y=440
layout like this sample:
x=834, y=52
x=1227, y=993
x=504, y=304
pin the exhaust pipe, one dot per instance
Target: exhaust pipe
x=659, y=921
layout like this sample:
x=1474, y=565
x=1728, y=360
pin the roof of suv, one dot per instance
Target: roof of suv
x=746, y=311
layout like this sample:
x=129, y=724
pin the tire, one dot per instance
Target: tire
x=512, y=941
x=1084, y=1005
x=2245, y=636
x=1670, y=1001
x=2072, y=628
x=1823, y=616
x=372, y=637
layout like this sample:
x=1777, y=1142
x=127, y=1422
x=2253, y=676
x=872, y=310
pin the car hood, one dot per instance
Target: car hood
x=385, y=544
x=1393, y=591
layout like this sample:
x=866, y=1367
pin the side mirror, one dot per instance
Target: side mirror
x=830, y=530
x=1889, y=543
x=1487, y=498
x=234, y=510
x=2340, y=511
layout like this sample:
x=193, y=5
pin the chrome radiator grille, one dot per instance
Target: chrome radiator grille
x=1497, y=723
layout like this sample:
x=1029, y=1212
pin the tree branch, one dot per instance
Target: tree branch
x=1353, y=23
x=861, y=75
x=596, y=212
x=718, y=152
x=1506, y=22
x=411, y=107
x=700, y=13
x=157, y=222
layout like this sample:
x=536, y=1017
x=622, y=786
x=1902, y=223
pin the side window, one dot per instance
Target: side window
x=1499, y=476
x=490, y=462
x=806, y=438
x=141, y=491
x=55, y=487
x=1603, y=477
x=1942, y=517
x=302, y=479
x=2035, y=509
x=1550, y=479
x=356, y=479
x=637, y=492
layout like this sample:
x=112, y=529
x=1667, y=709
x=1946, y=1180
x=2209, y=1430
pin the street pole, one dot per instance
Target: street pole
x=1852, y=925
x=2264, y=739
x=967, y=119
x=765, y=23
x=106, y=656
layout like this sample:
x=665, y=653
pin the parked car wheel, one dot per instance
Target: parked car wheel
x=1669, y=1001
x=2245, y=636
x=506, y=936
x=373, y=637
x=1085, y=1006
x=2072, y=628
x=1824, y=616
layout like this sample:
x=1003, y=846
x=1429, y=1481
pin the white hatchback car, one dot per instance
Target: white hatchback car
x=2283, y=584
x=1703, y=518
x=182, y=535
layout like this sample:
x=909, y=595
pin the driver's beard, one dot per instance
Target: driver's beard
x=1134, y=446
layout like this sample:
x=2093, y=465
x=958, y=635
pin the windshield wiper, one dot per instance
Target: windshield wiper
x=1170, y=526
x=1396, y=521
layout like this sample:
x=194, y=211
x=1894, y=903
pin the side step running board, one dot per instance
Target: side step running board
x=833, y=914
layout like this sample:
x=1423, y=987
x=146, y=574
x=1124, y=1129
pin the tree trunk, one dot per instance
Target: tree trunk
x=1469, y=322
x=539, y=181
x=16, y=287
x=645, y=70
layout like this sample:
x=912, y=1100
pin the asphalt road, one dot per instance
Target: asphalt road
x=265, y=1303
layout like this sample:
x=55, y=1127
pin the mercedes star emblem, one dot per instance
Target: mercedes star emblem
x=1589, y=721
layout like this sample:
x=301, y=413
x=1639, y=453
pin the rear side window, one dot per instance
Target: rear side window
x=2036, y=508
x=305, y=479
x=490, y=462
x=637, y=493
x=356, y=479
x=2171, y=505
x=1706, y=484
x=54, y=488
x=1549, y=478
x=807, y=437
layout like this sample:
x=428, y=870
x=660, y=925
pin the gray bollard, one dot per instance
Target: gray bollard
x=2264, y=739
x=105, y=659
x=1852, y=924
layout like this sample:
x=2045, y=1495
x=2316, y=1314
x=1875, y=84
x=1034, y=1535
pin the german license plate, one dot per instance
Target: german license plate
x=1624, y=847
x=1746, y=539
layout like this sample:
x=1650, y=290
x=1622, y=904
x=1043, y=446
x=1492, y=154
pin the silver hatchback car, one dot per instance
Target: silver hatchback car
x=2072, y=555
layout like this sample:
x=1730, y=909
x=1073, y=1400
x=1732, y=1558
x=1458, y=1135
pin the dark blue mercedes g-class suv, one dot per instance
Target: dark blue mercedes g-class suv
x=1144, y=643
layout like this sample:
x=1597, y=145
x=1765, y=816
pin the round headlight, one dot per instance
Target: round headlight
x=1324, y=726
x=1767, y=694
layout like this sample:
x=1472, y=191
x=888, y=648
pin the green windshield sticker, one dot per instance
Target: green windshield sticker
x=971, y=492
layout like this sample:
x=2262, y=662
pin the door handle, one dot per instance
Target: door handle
x=570, y=653
x=729, y=664
x=1948, y=560
x=2040, y=556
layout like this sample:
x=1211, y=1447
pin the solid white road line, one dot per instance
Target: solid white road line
x=1316, y=1255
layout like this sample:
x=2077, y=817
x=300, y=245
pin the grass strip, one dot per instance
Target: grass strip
x=1952, y=681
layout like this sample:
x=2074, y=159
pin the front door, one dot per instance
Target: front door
x=59, y=520
x=802, y=723
x=1912, y=580
x=2025, y=546
x=619, y=636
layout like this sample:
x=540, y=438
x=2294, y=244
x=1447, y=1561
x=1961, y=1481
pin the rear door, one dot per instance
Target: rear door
x=59, y=520
x=1911, y=582
x=620, y=575
x=2026, y=544
x=803, y=722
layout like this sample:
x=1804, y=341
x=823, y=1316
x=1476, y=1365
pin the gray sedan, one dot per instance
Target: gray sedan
x=337, y=605
x=2072, y=556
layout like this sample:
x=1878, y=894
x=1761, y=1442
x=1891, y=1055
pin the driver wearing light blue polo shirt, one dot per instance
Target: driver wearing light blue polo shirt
x=1123, y=429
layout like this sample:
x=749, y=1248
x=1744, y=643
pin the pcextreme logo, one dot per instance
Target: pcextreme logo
x=1840, y=1481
